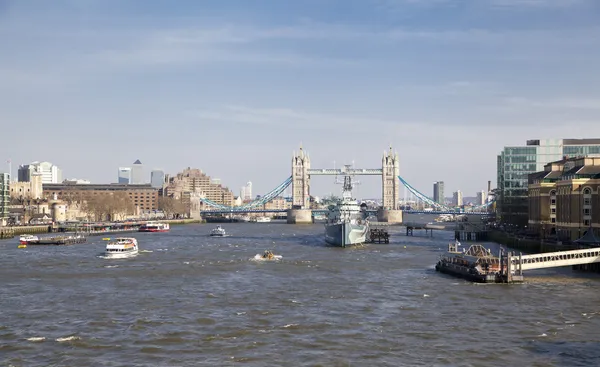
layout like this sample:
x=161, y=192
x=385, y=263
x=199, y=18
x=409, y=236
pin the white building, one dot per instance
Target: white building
x=247, y=193
x=49, y=172
x=137, y=173
x=457, y=198
x=124, y=175
x=481, y=198
x=157, y=178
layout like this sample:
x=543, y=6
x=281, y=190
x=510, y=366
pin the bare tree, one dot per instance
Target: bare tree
x=168, y=205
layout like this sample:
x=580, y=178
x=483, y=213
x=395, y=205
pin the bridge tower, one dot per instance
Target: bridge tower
x=390, y=167
x=300, y=212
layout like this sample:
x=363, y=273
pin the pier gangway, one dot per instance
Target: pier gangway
x=556, y=259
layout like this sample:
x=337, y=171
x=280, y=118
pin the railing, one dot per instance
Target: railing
x=556, y=259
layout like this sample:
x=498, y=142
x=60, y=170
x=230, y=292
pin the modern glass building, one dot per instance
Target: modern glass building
x=517, y=162
x=438, y=192
x=157, y=178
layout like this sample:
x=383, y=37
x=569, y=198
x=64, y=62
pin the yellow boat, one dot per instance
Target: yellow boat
x=22, y=246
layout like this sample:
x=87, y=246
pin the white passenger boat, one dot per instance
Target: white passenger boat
x=154, y=227
x=27, y=238
x=121, y=248
x=218, y=232
x=263, y=219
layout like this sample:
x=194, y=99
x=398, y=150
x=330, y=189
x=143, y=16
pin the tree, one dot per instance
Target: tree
x=110, y=206
x=169, y=205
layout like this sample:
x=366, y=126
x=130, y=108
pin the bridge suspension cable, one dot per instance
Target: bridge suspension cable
x=429, y=201
x=254, y=204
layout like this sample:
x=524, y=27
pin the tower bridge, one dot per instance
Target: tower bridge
x=300, y=184
x=302, y=171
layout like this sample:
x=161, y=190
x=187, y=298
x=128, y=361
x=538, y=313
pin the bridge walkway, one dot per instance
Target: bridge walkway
x=556, y=259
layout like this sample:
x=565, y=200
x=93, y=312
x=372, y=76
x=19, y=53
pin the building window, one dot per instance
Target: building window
x=586, y=211
x=587, y=201
x=553, y=220
x=587, y=191
x=586, y=222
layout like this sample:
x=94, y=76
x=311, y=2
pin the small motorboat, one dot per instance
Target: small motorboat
x=218, y=232
x=22, y=245
x=27, y=238
x=267, y=256
x=122, y=247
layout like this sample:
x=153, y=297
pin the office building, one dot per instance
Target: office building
x=246, y=192
x=438, y=192
x=124, y=175
x=481, y=198
x=457, y=198
x=137, y=173
x=193, y=180
x=157, y=178
x=564, y=198
x=49, y=172
x=516, y=163
x=4, y=198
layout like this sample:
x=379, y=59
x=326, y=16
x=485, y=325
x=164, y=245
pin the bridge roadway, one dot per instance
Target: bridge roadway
x=345, y=171
x=556, y=259
x=323, y=211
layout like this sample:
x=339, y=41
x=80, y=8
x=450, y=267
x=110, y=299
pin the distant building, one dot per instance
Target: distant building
x=516, y=163
x=157, y=178
x=49, y=172
x=4, y=197
x=457, y=198
x=76, y=181
x=28, y=190
x=438, y=192
x=193, y=180
x=481, y=198
x=246, y=192
x=124, y=175
x=137, y=173
x=564, y=198
x=143, y=197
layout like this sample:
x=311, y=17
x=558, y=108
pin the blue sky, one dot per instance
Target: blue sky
x=233, y=87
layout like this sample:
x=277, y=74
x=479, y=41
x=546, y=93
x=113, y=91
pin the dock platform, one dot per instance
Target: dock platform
x=378, y=235
x=59, y=240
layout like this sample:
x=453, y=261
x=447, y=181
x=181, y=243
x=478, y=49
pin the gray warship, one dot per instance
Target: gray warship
x=346, y=224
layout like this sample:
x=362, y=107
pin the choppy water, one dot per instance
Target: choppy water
x=192, y=300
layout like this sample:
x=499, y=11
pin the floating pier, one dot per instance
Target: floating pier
x=378, y=235
x=59, y=240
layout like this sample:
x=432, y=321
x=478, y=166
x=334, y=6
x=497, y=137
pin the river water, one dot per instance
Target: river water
x=193, y=300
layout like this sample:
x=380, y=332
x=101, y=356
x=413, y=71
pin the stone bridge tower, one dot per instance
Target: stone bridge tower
x=300, y=212
x=390, y=165
x=389, y=178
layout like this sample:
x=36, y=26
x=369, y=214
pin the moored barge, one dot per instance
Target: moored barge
x=476, y=264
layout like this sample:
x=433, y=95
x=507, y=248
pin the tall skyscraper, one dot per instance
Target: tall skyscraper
x=515, y=164
x=438, y=192
x=457, y=198
x=49, y=172
x=157, y=178
x=137, y=173
x=124, y=175
x=247, y=192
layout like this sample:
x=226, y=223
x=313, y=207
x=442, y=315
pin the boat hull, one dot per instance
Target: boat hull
x=465, y=272
x=152, y=230
x=122, y=255
x=346, y=234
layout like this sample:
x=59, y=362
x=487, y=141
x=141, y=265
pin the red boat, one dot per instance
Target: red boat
x=154, y=227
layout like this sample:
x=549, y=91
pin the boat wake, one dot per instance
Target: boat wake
x=259, y=257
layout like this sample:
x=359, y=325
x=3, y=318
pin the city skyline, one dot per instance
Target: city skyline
x=445, y=83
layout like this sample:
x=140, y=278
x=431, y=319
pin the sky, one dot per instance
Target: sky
x=235, y=87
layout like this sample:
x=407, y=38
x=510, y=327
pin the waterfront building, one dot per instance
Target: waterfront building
x=137, y=173
x=157, y=178
x=438, y=192
x=124, y=176
x=27, y=190
x=194, y=180
x=564, y=198
x=4, y=197
x=143, y=197
x=49, y=172
x=481, y=198
x=516, y=163
x=457, y=198
x=76, y=181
